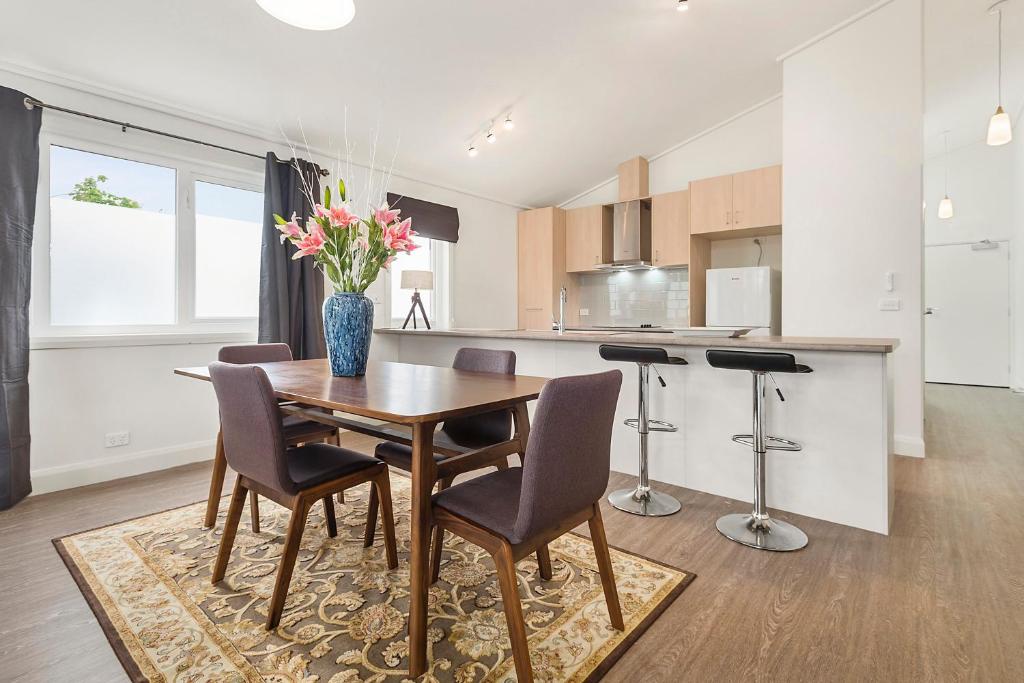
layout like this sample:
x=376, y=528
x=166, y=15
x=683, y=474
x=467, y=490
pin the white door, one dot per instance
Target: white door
x=967, y=314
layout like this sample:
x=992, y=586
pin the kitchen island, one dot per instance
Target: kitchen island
x=841, y=413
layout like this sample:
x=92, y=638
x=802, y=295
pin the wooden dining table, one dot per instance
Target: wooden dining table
x=411, y=400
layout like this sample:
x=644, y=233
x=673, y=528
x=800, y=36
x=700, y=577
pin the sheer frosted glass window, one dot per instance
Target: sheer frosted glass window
x=228, y=229
x=401, y=299
x=112, y=240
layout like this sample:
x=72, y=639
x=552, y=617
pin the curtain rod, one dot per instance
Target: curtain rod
x=31, y=102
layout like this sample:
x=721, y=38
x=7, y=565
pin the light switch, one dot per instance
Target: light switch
x=890, y=281
x=891, y=304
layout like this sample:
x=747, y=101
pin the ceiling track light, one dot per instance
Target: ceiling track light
x=473, y=151
x=682, y=6
x=509, y=125
x=491, y=137
x=1000, y=130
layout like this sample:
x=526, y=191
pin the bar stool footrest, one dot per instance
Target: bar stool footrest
x=652, y=425
x=772, y=443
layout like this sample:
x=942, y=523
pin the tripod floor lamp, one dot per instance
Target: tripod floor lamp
x=417, y=280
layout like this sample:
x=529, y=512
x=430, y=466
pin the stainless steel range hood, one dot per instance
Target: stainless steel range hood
x=631, y=241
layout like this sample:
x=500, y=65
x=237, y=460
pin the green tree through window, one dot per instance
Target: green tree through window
x=89, y=190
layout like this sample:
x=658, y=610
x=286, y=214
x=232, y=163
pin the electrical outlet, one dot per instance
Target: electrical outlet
x=892, y=304
x=115, y=439
x=584, y=311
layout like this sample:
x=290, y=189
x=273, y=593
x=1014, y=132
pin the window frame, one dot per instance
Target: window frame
x=441, y=263
x=187, y=328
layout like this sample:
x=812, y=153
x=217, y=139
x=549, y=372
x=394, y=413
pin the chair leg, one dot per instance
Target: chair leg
x=383, y=485
x=371, y=517
x=335, y=440
x=254, y=511
x=502, y=464
x=296, y=525
x=544, y=562
x=513, y=612
x=604, y=565
x=437, y=544
x=332, y=521
x=227, y=539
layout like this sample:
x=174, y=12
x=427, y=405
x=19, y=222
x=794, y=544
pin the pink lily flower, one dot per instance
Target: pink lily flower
x=311, y=243
x=399, y=236
x=291, y=229
x=341, y=217
x=386, y=216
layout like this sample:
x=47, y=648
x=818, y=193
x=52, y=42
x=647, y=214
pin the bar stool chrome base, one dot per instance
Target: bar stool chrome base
x=644, y=503
x=770, y=534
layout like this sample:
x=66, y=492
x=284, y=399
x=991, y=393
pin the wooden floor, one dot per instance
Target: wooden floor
x=941, y=599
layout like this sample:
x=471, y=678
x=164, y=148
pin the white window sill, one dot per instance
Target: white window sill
x=162, y=339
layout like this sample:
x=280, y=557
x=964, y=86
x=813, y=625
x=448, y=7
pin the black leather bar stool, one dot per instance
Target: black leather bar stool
x=642, y=500
x=757, y=529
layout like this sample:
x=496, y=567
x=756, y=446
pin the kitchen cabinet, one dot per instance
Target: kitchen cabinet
x=634, y=177
x=588, y=238
x=737, y=205
x=540, y=244
x=670, y=229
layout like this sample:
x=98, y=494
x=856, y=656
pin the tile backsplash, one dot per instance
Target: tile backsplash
x=634, y=297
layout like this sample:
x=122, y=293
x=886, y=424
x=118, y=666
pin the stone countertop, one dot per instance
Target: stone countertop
x=846, y=344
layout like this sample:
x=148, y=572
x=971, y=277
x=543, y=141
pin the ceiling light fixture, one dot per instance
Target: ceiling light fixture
x=491, y=137
x=508, y=123
x=1000, y=131
x=473, y=151
x=312, y=15
x=946, y=205
x=682, y=6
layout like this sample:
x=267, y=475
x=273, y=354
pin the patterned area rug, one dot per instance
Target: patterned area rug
x=148, y=582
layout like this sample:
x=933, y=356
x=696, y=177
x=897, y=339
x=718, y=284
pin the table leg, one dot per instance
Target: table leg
x=424, y=473
x=220, y=466
x=521, y=420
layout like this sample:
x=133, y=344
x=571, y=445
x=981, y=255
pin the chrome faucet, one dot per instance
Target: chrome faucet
x=563, y=297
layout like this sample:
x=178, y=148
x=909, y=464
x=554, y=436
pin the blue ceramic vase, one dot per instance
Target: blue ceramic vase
x=348, y=326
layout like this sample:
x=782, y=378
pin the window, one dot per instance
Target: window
x=228, y=235
x=142, y=245
x=432, y=255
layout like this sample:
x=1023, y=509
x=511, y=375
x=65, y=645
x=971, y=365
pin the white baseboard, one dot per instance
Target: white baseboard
x=70, y=476
x=912, y=446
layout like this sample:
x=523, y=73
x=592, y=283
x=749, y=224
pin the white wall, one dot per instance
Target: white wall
x=981, y=185
x=1017, y=259
x=752, y=139
x=852, y=156
x=80, y=394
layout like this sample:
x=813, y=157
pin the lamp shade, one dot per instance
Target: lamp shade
x=313, y=15
x=999, y=130
x=946, y=208
x=417, y=279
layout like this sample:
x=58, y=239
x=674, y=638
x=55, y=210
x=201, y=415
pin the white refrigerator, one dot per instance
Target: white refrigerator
x=745, y=297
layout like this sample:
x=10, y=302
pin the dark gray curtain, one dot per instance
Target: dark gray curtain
x=291, y=292
x=19, y=174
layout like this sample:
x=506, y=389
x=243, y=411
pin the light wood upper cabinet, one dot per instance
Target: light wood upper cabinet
x=711, y=204
x=633, y=179
x=588, y=238
x=757, y=198
x=670, y=229
x=743, y=201
x=540, y=244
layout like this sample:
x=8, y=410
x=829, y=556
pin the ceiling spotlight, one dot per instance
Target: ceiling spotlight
x=313, y=15
x=508, y=123
x=491, y=137
x=682, y=6
x=473, y=151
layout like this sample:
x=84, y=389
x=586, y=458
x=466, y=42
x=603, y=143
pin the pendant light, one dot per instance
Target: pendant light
x=1000, y=131
x=946, y=205
x=312, y=15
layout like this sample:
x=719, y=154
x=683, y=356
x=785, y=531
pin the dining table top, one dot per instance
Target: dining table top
x=404, y=393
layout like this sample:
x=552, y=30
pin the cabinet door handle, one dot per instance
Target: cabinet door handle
x=727, y=214
x=737, y=218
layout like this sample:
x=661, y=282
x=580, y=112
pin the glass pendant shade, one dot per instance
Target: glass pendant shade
x=313, y=15
x=999, y=129
x=946, y=207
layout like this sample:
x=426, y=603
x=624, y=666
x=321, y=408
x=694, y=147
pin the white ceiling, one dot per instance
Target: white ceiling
x=960, y=69
x=590, y=82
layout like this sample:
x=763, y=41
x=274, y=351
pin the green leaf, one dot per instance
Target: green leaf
x=280, y=221
x=327, y=197
x=341, y=189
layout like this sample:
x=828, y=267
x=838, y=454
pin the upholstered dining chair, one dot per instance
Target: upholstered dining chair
x=295, y=477
x=475, y=431
x=516, y=512
x=296, y=429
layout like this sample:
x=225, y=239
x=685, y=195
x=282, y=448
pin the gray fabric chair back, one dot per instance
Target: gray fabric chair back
x=250, y=423
x=569, y=452
x=487, y=428
x=254, y=353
